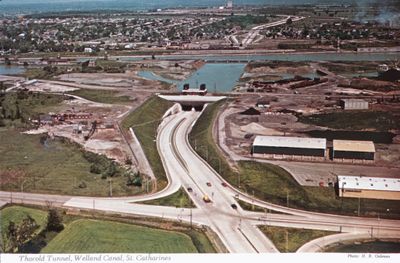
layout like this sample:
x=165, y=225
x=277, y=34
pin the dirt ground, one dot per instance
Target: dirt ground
x=279, y=119
x=106, y=140
x=174, y=70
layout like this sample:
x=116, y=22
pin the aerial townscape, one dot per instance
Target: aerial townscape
x=218, y=126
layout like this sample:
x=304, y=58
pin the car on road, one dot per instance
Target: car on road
x=234, y=206
x=208, y=184
x=224, y=184
x=190, y=189
x=206, y=199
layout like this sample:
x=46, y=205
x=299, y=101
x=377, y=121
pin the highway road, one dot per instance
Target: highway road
x=237, y=229
x=255, y=31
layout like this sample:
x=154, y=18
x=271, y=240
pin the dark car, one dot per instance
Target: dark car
x=190, y=189
x=234, y=206
x=208, y=184
x=224, y=184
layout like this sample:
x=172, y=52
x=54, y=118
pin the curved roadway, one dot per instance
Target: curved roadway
x=238, y=229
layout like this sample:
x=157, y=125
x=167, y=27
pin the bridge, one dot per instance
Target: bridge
x=189, y=102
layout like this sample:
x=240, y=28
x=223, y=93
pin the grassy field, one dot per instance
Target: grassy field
x=250, y=207
x=350, y=67
x=355, y=120
x=95, y=236
x=18, y=213
x=145, y=121
x=274, y=184
x=178, y=199
x=365, y=246
x=29, y=163
x=102, y=96
x=291, y=239
x=107, y=235
x=17, y=108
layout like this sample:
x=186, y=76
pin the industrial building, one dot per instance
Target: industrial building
x=354, y=104
x=289, y=146
x=369, y=187
x=346, y=149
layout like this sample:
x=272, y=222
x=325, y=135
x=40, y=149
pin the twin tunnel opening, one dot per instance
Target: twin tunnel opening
x=190, y=107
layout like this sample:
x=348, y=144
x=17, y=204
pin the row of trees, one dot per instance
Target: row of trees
x=17, y=235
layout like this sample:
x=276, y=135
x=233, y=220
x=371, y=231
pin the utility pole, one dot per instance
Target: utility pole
x=110, y=181
x=191, y=215
x=359, y=200
x=252, y=201
x=287, y=198
x=287, y=241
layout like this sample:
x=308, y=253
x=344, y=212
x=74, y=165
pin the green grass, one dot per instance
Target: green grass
x=145, y=121
x=109, y=64
x=178, y=199
x=18, y=213
x=355, y=120
x=250, y=207
x=17, y=108
x=201, y=242
x=365, y=246
x=102, y=96
x=95, y=236
x=57, y=167
x=274, y=184
x=294, y=238
x=107, y=234
x=350, y=67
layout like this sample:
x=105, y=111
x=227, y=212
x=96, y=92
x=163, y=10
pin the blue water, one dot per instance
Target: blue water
x=38, y=6
x=284, y=57
x=152, y=76
x=220, y=77
x=10, y=70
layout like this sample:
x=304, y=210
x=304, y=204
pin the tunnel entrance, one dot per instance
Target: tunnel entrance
x=192, y=107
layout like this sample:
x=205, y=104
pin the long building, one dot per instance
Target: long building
x=289, y=146
x=346, y=149
x=369, y=187
x=354, y=104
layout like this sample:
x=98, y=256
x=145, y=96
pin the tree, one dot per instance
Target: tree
x=18, y=235
x=7, y=61
x=95, y=169
x=26, y=230
x=11, y=237
x=112, y=170
x=289, y=21
x=54, y=221
x=137, y=181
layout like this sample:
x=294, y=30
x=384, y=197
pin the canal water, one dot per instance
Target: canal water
x=280, y=57
x=220, y=77
x=151, y=75
x=10, y=70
